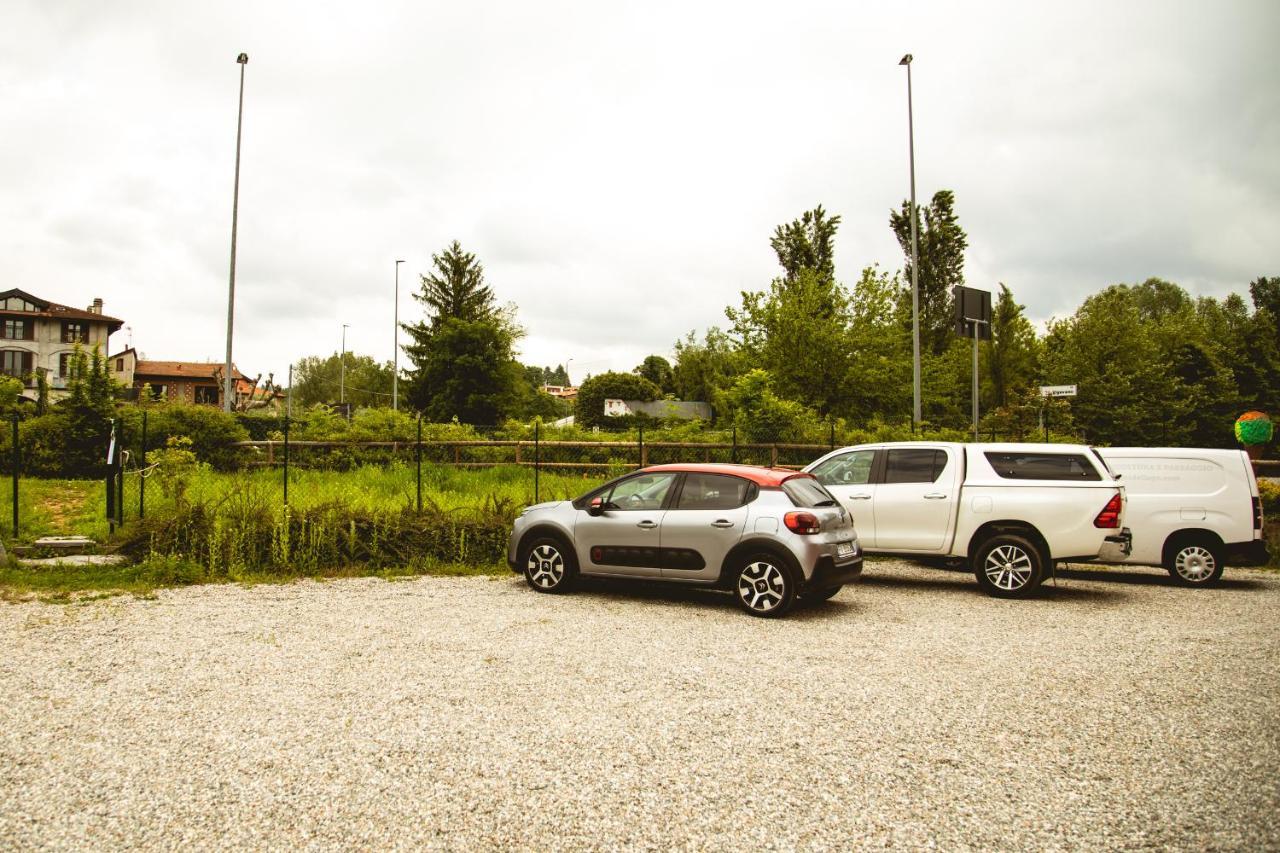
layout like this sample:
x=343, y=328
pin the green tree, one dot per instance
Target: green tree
x=1011, y=358
x=941, y=244
x=588, y=409
x=463, y=351
x=703, y=369
x=657, y=370
x=807, y=243
x=759, y=414
x=456, y=288
x=319, y=379
x=879, y=379
x=466, y=371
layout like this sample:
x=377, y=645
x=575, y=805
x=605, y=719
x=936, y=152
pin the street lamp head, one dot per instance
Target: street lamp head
x=243, y=59
x=399, y=261
x=906, y=60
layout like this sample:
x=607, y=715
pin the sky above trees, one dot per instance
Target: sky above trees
x=618, y=169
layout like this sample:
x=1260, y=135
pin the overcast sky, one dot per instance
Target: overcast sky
x=618, y=168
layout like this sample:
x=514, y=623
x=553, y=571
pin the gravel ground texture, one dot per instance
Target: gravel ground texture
x=1113, y=711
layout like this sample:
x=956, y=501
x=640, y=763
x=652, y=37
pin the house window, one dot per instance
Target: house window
x=13, y=303
x=16, y=363
x=206, y=395
x=159, y=392
x=17, y=330
x=65, y=364
x=119, y=365
x=73, y=331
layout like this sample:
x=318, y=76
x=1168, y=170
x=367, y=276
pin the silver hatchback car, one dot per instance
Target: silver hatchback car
x=768, y=535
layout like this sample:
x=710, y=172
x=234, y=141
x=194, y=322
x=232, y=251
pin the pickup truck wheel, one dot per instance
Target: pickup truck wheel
x=1194, y=562
x=763, y=586
x=1009, y=566
x=548, y=565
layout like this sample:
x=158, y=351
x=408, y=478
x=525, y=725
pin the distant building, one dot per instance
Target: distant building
x=38, y=337
x=564, y=392
x=179, y=381
x=677, y=409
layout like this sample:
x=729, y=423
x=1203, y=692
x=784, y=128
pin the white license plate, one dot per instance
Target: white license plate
x=844, y=549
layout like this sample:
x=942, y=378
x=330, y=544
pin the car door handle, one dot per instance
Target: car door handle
x=935, y=496
x=647, y=525
x=860, y=496
x=720, y=522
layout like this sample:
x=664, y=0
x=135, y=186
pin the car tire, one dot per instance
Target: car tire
x=823, y=594
x=764, y=586
x=1194, y=561
x=549, y=565
x=1009, y=566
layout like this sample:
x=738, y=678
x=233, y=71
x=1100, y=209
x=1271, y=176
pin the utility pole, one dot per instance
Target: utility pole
x=395, y=352
x=915, y=261
x=228, y=381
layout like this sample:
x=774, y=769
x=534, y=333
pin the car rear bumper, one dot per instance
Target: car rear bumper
x=1251, y=553
x=827, y=573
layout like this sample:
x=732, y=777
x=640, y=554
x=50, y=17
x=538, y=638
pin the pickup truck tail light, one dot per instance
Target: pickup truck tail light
x=1257, y=513
x=1109, y=518
x=804, y=523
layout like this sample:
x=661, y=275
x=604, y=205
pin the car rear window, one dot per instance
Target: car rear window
x=807, y=492
x=1042, y=466
x=713, y=491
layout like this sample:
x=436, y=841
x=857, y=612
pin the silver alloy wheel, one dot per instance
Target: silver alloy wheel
x=1008, y=567
x=761, y=586
x=545, y=566
x=1195, y=563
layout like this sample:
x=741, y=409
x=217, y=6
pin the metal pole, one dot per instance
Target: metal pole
x=120, y=474
x=342, y=376
x=975, y=382
x=733, y=454
x=915, y=261
x=243, y=59
x=395, y=352
x=288, y=401
x=418, y=455
x=537, y=458
x=142, y=477
x=16, y=460
x=286, y=460
x=640, y=448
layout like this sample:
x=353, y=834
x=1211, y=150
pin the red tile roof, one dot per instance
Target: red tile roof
x=183, y=369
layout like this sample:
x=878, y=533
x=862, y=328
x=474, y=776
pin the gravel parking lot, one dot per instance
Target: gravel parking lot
x=1115, y=710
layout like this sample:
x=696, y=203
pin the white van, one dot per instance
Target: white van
x=1190, y=510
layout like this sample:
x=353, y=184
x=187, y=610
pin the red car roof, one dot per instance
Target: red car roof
x=757, y=474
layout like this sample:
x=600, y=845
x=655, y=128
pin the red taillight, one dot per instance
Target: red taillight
x=804, y=523
x=1257, y=513
x=1110, y=515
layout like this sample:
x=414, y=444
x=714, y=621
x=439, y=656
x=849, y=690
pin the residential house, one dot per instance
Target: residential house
x=38, y=337
x=563, y=392
x=178, y=381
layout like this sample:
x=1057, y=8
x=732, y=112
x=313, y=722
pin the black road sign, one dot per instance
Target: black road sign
x=972, y=312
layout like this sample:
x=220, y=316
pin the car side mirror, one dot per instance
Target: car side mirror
x=596, y=507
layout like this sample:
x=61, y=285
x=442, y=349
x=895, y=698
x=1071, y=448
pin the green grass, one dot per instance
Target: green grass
x=78, y=507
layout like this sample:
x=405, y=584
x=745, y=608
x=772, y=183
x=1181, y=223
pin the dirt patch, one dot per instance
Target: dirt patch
x=63, y=506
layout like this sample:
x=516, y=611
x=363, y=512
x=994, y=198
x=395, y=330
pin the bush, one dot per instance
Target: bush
x=247, y=533
x=212, y=431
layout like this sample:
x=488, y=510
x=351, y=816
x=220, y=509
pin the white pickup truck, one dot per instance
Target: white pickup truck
x=1008, y=510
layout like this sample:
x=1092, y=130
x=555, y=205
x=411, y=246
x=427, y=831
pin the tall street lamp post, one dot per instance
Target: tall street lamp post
x=227, y=380
x=395, y=352
x=915, y=266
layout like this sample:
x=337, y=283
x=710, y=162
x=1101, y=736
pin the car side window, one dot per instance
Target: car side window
x=847, y=469
x=914, y=465
x=646, y=491
x=713, y=491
